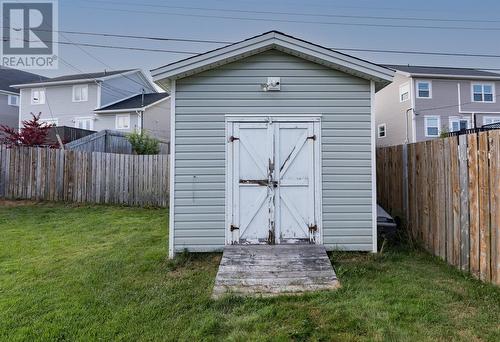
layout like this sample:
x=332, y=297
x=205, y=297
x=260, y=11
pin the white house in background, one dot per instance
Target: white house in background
x=9, y=96
x=423, y=102
x=82, y=100
x=150, y=111
x=272, y=143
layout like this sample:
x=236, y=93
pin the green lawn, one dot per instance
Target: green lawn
x=88, y=273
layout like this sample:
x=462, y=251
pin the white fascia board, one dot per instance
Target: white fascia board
x=277, y=41
x=6, y=92
x=45, y=84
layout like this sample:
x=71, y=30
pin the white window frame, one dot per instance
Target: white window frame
x=407, y=84
x=418, y=91
x=81, y=87
x=11, y=103
x=85, y=118
x=39, y=102
x=495, y=119
x=453, y=119
x=482, y=84
x=426, y=125
x=385, y=131
x=50, y=121
x=117, y=119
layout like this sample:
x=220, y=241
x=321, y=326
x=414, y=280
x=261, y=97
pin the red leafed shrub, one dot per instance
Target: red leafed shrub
x=33, y=133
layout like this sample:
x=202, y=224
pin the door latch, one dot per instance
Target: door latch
x=233, y=227
x=233, y=138
x=313, y=228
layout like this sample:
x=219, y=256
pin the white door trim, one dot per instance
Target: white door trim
x=229, y=165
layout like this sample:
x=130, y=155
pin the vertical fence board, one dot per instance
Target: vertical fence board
x=484, y=208
x=494, y=172
x=473, y=203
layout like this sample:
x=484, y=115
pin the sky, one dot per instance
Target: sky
x=448, y=26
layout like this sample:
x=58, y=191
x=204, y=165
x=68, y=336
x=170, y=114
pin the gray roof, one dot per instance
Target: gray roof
x=442, y=71
x=135, y=102
x=10, y=76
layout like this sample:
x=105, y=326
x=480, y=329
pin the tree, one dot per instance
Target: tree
x=33, y=133
x=143, y=143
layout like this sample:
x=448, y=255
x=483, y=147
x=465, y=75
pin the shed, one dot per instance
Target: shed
x=272, y=142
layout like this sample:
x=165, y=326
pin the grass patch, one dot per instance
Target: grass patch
x=99, y=272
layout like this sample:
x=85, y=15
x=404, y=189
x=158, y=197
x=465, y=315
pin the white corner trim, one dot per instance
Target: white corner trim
x=171, y=201
x=413, y=116
x=374, y=168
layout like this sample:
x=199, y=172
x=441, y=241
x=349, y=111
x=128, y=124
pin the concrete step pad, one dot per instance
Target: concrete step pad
x=273, y=270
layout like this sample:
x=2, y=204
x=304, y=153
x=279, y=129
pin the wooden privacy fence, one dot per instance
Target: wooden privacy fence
x=92, y=177
x=448, y=192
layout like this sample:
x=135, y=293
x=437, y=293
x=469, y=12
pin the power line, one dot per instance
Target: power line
x=299, y=14
x=434, y=27
x=407, y=52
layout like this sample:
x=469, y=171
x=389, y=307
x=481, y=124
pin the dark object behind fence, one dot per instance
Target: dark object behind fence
x=484, y=128
x=67, y=134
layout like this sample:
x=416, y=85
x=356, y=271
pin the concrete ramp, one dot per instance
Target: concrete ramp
x=274, y=270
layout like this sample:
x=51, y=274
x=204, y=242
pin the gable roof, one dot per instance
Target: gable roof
x=77, y=78
x=443, y=72
x=10, y=76
x=273, y=40
x=134, y=103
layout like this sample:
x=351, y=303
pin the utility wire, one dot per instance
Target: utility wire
x=433, y=27
x=141, y=4
x=407, y=52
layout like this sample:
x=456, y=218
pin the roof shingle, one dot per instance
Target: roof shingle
x=10, y=76
x=442, y=71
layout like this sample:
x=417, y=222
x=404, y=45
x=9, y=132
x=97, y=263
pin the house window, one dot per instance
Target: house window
x=483, y=92
x=432, y=126
x=52, y=121
x=424, y=89
x=38, y=96
x=488, y=120
x=80, y=92
x=382, y=130
x=458, y=124
x=84, y=123
x=123, y=121
x=404, y=92
x=13, y=100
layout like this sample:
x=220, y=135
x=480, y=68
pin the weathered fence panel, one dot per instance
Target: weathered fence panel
x=452, y=187
x=90, y=177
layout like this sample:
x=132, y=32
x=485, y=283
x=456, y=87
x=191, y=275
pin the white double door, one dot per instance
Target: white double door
x=273, y=182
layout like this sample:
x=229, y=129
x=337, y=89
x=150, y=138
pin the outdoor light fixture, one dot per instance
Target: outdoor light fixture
x=273, y=84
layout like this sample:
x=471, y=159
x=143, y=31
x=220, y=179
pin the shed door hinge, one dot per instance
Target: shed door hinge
x=313, y=137
x=233, y=227
x=233, y=138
